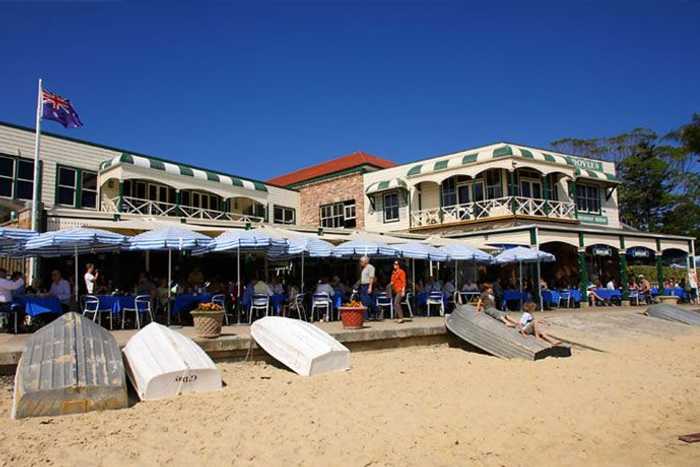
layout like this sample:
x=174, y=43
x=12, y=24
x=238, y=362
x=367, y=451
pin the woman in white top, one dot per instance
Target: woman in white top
x=91, y=275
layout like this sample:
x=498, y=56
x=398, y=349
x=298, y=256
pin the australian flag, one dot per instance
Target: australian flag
x=55, y=107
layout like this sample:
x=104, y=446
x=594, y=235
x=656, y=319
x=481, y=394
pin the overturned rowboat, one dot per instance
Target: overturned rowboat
x=301, y=346
x=674, y=313
x=164, y=363
x=492, y=336
x=69, y=366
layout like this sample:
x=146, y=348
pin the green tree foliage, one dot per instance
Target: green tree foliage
x=645, y=195
x=660, y=189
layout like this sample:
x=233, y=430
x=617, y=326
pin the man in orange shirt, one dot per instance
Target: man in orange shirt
x=398, y=287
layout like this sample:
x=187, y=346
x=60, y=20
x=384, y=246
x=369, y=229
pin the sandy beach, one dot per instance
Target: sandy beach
x=440, y=405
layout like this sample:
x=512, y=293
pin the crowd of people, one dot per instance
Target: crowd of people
x=283, y=287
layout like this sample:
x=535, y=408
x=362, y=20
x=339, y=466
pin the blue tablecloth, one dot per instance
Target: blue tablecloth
x=553, y=297
x=675, y=291
x=608, y=294
x=277, y=300
x=115, y=303
x=35, y=306
x=187, y=302
x=515, y=295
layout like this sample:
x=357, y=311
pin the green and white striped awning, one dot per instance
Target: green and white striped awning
x=182, y=170
x=585, y=167
x=595, y=175
x=386, y=185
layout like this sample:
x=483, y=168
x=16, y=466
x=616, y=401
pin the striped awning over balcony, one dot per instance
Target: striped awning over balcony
x=386, y=185
x=585, y=168
x=595, y=175
x=182, y=170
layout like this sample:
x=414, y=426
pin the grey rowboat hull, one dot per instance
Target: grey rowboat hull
x=72, y=365
x=674, y=313
x=492, y=336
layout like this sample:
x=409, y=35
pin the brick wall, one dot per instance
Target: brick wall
x=343, y=188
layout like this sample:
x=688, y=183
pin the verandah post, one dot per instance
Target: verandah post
x=658, y=255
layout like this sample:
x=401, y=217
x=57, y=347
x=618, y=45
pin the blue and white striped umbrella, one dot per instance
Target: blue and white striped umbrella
x=302, y=245
x=417, y=250
x=461, y=252
x=12, y=240
x=362, y=247
x=73, y=242
x=168, y=238
x=520, y=254
x=243, y=240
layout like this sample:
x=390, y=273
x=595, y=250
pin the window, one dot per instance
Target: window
x=76, y=188
x=284, y=215
x=449, y=192
x=195, y=199
x=16, y=178
x=530, y=188
x=88, y=194
x=67, y=186
x=338, y=215
x=349, y=211
x=391, y=207
x=588, y=198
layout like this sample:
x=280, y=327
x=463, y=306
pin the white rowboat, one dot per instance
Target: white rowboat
x=303, y=347
x=163, y=363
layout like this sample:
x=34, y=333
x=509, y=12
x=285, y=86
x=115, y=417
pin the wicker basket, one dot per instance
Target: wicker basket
x=207, y=323
x=352, y=317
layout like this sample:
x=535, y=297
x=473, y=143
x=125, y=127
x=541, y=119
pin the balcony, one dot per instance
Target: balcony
x=497, y=207
x=150, y=208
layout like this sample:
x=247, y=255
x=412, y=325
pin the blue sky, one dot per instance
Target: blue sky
x=259, y=90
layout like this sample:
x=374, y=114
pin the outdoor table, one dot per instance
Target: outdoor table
x=608, y=294
x=37, y=305
x=515, y=295
x=551, y=297
x=115, y=303
x=276, y=301
x=186, y=302
x=675, y=291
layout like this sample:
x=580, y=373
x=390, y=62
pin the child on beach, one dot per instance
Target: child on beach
x=487, y=304
x=529, y=326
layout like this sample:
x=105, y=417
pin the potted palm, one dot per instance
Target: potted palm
x=208, y=318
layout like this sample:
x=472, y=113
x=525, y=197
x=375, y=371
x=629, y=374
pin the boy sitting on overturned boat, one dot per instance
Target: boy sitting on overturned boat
x=529, y=326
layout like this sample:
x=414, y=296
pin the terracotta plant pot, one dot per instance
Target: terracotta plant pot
x=352, y=317
x=207, y=323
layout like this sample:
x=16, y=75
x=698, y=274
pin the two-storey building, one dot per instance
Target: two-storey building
x=88, y=184
x=508, y=193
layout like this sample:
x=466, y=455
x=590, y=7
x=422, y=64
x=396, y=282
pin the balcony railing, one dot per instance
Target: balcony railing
x=146, y=207
x=504, y=206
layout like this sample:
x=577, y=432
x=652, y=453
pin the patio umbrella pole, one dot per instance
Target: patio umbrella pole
x=170, y=280
x=539, y=289
x=520, y=274
x=302, y=273
x=413, y=272
x=76, y=274
x=238, y=279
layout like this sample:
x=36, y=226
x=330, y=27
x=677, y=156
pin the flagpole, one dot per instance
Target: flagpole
x=37, y=186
